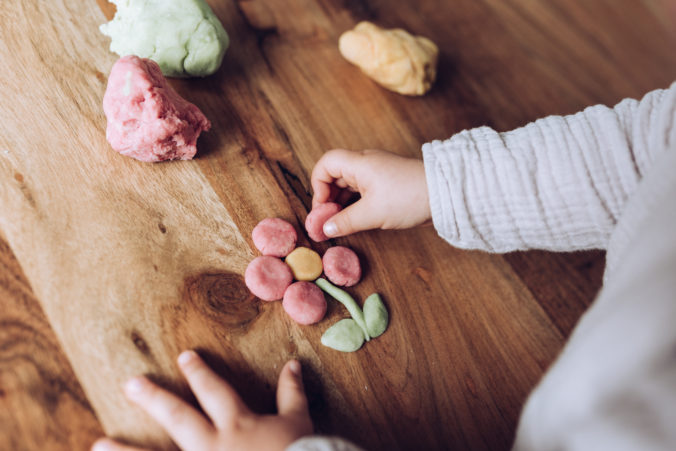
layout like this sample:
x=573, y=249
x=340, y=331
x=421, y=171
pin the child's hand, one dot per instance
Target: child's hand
x=393, y=190
x=232, y=425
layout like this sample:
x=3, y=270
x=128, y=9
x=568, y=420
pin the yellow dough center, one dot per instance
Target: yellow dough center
x=305, y=264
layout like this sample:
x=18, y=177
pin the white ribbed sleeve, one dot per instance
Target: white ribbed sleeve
x=559, y=183
x=319, y=443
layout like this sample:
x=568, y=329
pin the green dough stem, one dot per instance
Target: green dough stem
x=345, y=336
x=350, y=304
x=183, y=36
x=375, y=315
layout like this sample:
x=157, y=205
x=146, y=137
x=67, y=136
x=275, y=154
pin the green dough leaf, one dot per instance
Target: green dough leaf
x=375, y=315
x=348, y=301
x=345, y=336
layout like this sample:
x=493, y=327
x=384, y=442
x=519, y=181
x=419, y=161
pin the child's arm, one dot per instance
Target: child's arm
x=559, y=183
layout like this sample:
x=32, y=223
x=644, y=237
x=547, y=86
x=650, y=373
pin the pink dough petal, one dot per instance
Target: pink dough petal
x=341, y=266
x=268, y=278
x=314, y=223
x=274, y=236
x=304, y=302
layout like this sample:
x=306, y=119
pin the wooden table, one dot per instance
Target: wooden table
x=119, y=265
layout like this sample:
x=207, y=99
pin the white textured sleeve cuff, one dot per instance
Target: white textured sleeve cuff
x=559, y=183
x=318, y=443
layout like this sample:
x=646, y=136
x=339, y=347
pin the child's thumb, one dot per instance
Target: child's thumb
x=355, y=218
x=291, y=400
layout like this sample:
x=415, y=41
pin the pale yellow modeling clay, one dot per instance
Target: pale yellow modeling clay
x=394, y=58
x=305, y=264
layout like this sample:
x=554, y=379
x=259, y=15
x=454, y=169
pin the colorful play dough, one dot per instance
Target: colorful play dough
x=304, y=302
x=147, y=119
x=183, y=36
x=305, y=263
x=348, y=301
x=341, y=266
x=314, y=223
x=375, y=315
x=345, y=336
x=394, y=58
x=268, y=277
x=274, y=236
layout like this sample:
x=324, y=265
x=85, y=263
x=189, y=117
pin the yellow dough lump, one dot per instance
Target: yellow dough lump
x=305, y=263
x=394, y=58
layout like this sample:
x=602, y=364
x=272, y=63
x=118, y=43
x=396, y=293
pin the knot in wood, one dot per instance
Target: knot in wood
x=222, y=298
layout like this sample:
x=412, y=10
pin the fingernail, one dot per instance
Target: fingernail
x=102, y=445
x=186, y=357
x=135, y=386
x=330, y=229
x=294, y=367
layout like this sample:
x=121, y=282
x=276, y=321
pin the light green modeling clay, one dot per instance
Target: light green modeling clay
x=375, y=315
x=183, y=36
x=345, y=336
x=344, y=298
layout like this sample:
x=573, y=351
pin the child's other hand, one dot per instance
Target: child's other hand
x=230, y=424
x=393, y=190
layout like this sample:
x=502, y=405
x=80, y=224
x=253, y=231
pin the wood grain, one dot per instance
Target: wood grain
x=133, y=262
x=41, y=402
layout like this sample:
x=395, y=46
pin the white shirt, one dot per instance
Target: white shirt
x=602, y=178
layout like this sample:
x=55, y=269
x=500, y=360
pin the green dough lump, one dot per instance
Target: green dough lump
x=375, y=315
x=183, y=36
x=345, y=336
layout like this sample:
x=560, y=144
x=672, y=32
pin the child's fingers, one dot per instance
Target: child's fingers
x=341, y=183
x=339, y=195
x=322, y=192
x=106, y=444
x=355, y=218
x=291, y=400
x=321, y=181
x=184, y=424
x=333, y=165
x=218, y=399
x=345, y=196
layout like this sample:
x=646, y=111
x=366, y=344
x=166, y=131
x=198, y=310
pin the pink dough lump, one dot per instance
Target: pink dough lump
x=147, y=119
x=304, y=302
x=274, y=236
x=341, y=266
x=315, y=220
x=268, y=277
